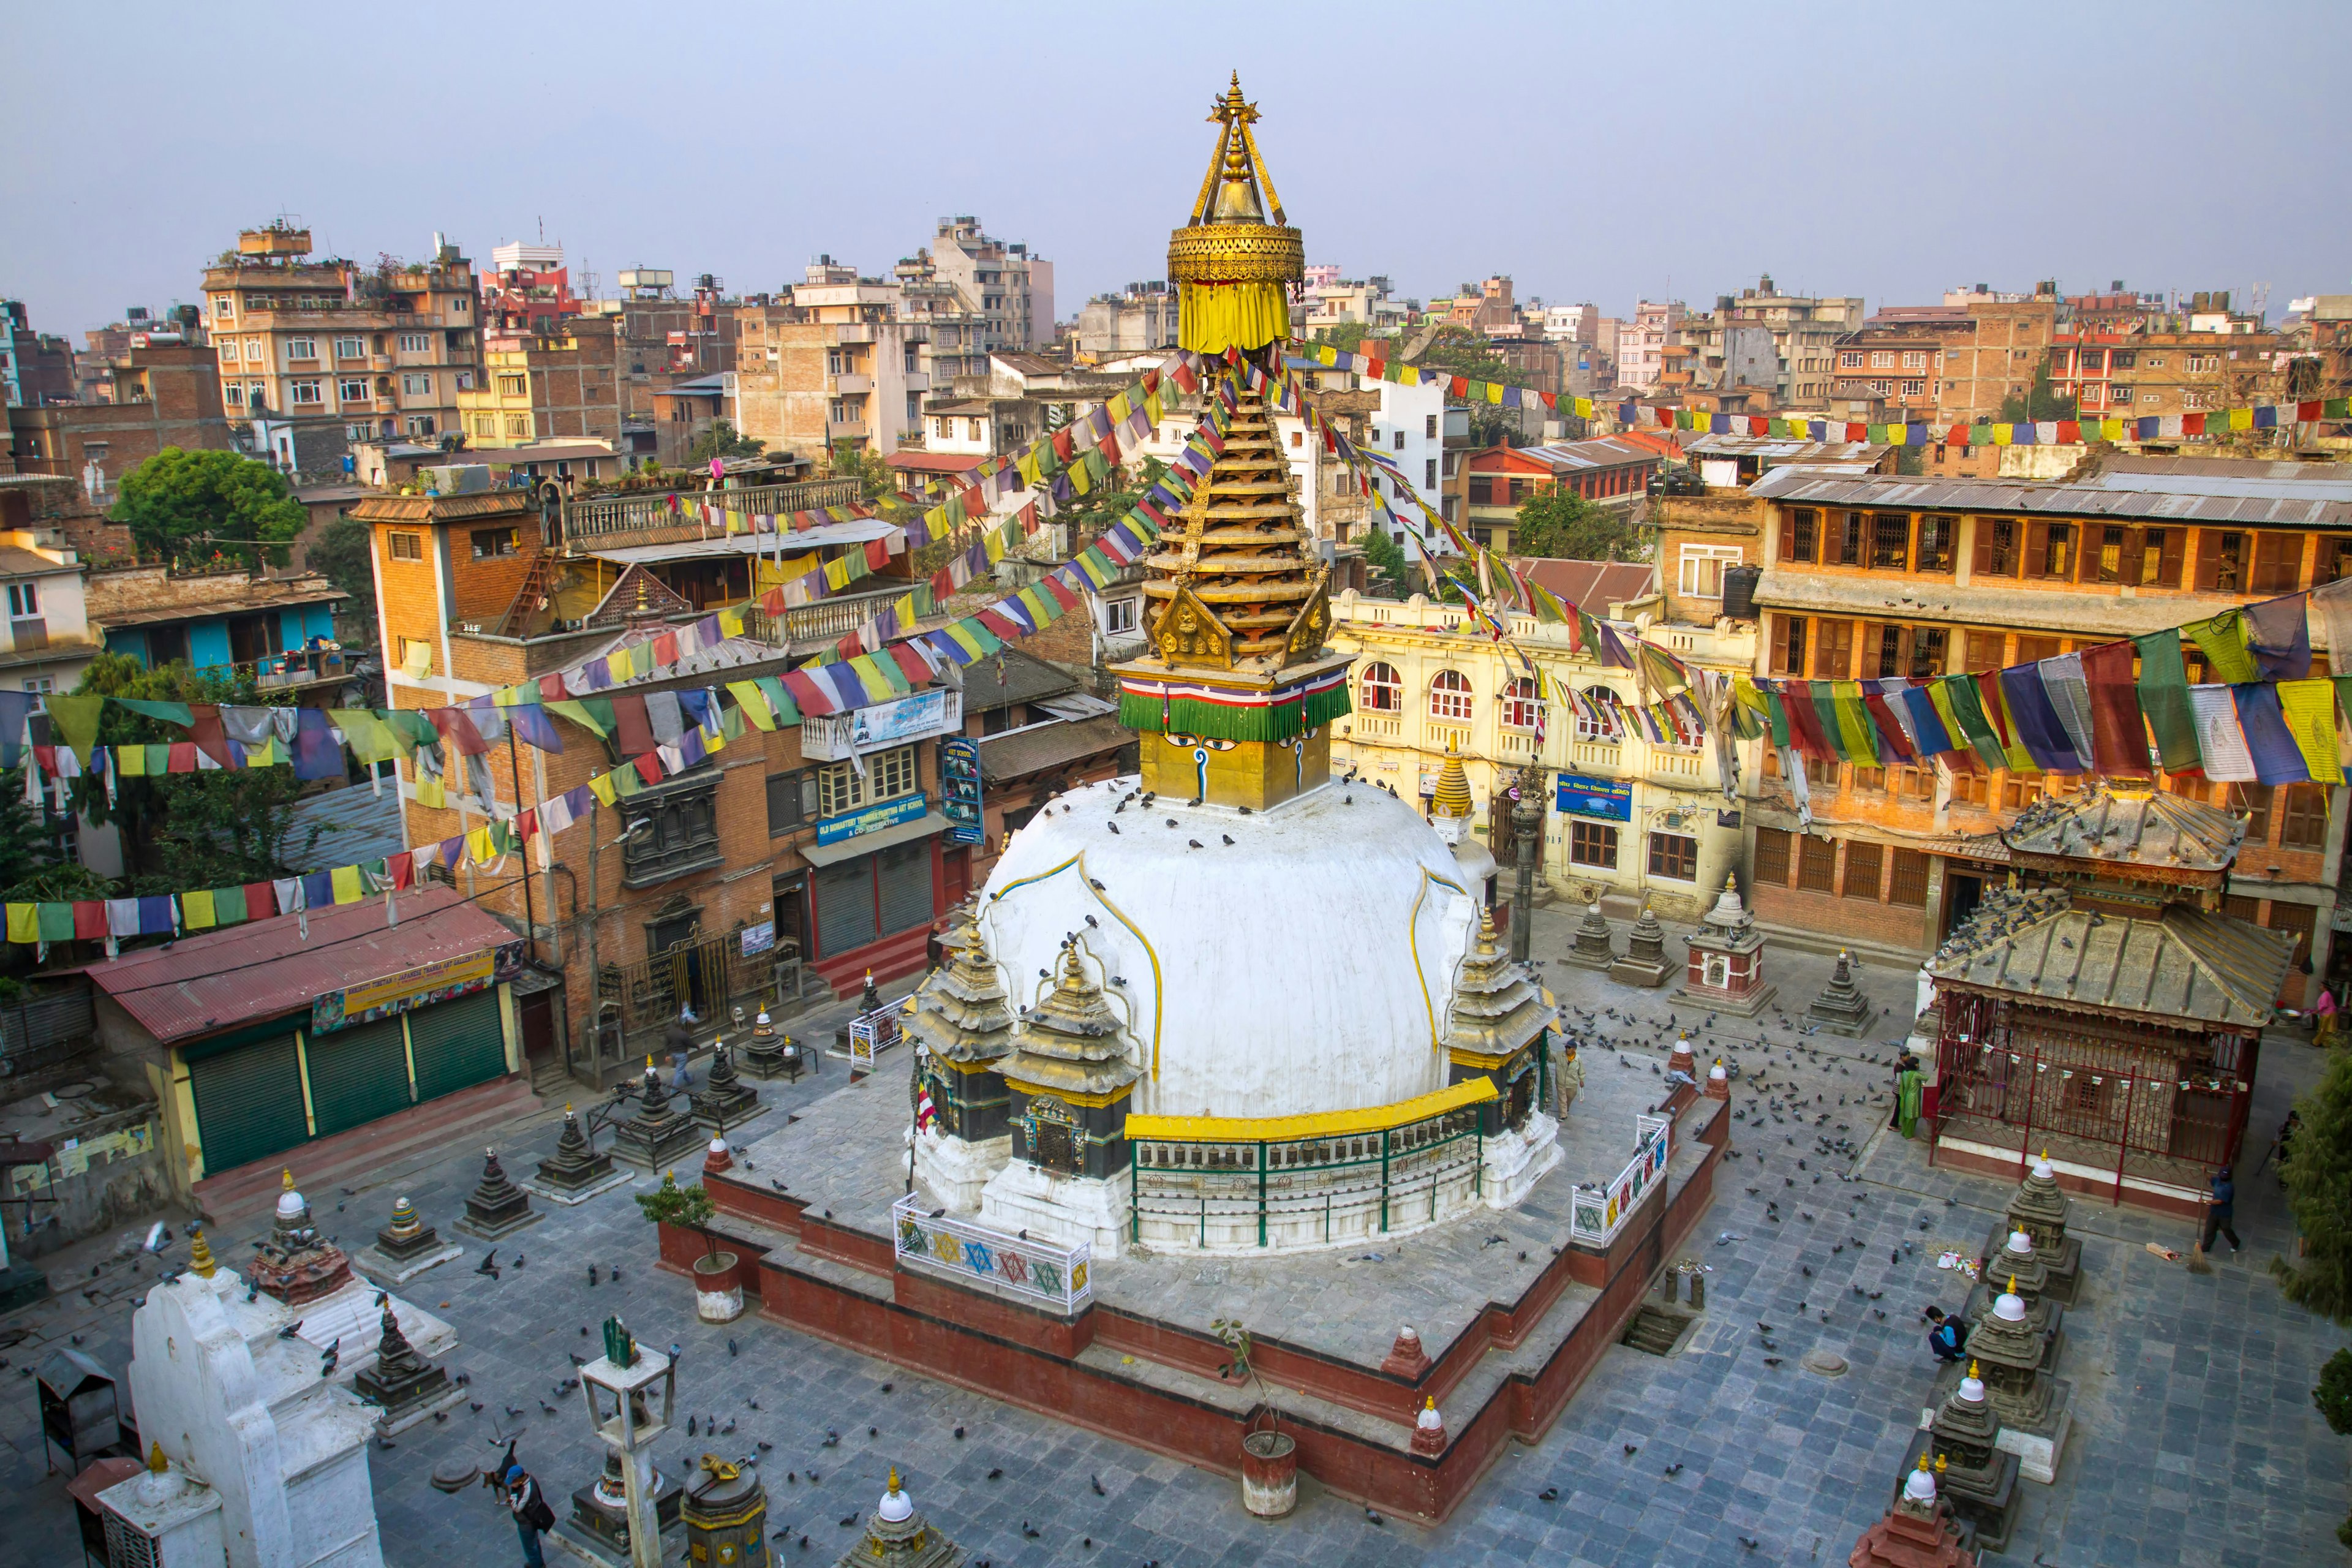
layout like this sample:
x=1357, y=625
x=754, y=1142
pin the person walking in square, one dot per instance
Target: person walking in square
x=2220, y=1210
x=531, y=1513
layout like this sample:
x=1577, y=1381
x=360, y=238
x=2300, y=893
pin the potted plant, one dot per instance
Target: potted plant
x=1269, y=1458
x=718, y=1290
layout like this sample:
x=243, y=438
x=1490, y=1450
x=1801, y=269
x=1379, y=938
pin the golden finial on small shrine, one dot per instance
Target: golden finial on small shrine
x=288, y=1185
x=156, y=1463
x=200, y=1253
x=894, y=1478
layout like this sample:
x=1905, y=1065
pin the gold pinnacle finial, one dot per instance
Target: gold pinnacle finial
x=156, y=1463
x=1941, y=1464
x=1972, y=1366
x=288, y=1185
x=200, y=1255
x=894, y=1478
x=1429, y=1402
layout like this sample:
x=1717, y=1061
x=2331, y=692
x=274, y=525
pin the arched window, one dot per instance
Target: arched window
x=1449, y=696
x=1523, y=707
x=1383, y=691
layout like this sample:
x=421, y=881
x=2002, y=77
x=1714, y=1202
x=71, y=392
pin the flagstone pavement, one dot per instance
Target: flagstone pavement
x=2196, y=1441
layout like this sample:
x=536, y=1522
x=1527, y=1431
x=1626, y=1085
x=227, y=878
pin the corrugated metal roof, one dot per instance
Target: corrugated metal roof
x=1011, y=677
x=219, y=980
x=2188, y=965
x=1593, y=584
x=1787, y=449
x=2130, y=827
x=352, y=826
x=1601, y=452
x=1022, y=753
x=858, y=530
x=2050, y=499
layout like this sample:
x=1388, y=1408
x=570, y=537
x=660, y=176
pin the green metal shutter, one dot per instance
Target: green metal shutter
x=845, y=906
x=905, y=876
x=457, y=1044
x=357, y=1075
x=248, y=1103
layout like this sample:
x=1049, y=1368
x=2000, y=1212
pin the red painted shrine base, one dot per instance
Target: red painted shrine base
x=841, y=1283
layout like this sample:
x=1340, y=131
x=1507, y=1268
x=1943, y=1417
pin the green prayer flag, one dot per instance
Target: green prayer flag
x=1968, y=707
x=169, y=712
x=56, y=922
x=787, y=710
x=1853, y=718
x=228, y=907
x=75, y=719
x=2164, y=698
x=410, y=724
x=580, y=714
x=2222, y=639
x=1780, y=718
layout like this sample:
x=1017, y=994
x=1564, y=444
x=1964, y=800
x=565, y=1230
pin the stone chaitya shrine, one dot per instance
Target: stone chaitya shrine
x=2105, y=1011
x=1234, y=1004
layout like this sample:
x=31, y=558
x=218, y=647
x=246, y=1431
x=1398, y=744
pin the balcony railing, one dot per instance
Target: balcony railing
x=605, y=517
x=828, y=620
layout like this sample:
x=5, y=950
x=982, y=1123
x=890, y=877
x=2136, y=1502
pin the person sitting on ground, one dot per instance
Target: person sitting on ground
x=1948, y=1336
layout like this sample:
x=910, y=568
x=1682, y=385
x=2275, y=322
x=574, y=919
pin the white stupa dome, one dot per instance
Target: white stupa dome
x=2043, y=1168
x=1921, y=1486
x=1972, y=1388
x=2020, y=1242
x=2010, y=1308
x=896, y=1507
x=1306, y=966
x=1429, y=1420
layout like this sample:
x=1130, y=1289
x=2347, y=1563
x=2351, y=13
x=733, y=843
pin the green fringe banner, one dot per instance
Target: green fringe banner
x=1272, y=724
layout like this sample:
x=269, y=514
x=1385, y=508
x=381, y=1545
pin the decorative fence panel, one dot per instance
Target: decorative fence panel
x=1056, y=1276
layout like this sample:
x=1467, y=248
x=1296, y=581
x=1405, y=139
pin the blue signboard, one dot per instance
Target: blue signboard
x=889, y=814
x=959, y=797
x=1580, y=796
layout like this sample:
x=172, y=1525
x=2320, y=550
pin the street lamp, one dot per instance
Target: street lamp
x=622, y=1387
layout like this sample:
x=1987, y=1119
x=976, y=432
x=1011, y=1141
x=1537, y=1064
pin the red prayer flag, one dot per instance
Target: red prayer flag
x=811, y=697
x=458, y=730
x=1805, y=722
x=2070, y=431
x=665, y=647
x=650, y=767
x=2192, y=425
x=911, y=662
x=1890, y=731
x=526, y=825
x=2118, y=730
x=89, y=920
x=183, y=757
x=1062, y=596
x=550, y=689
x=402, y=870
x=205, y=728
x=1458, y=387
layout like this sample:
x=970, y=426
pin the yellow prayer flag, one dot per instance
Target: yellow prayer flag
x=431, y=793
x=754, y=703
x=601, y=786
x=129, y=762
x=196, y=911
x=479, y=847
x=731, y=623
x=348, y=888
x=416, y=657
x=2309, y=708
x=24, y=922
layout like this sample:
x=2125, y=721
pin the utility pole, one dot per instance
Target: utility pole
x=1526, y=831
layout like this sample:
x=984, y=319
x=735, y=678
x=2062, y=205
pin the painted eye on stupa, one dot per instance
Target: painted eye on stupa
x=1188, y=742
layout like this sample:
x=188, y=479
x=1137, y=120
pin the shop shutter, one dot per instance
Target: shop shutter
x=357, y=1075
x=844, y=907
x=906, y=884
x=457, y=1044
x=248, y=1103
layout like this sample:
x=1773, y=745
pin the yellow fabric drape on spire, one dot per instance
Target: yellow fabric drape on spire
x=1214, y=317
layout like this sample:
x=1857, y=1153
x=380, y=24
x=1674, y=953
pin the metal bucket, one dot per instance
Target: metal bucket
x=1269, y=1473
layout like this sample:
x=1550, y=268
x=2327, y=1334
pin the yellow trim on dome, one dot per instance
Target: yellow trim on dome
x=1413, y=941
x=1321, y=1124
x=1079, y=860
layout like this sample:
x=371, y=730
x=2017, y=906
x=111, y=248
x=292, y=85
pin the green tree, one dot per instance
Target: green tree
x=2319, y=1189
x=1347, y=336
x=684, y=1208
x=1556, y=523
x=1394, y=574
x=2333, y=1397
x=205, y=829
x=30, y=848
x=196, y=506
x=2040, y=401
x=876, y=480
x=1458, y=351
x=345, y=554
x=722, y=441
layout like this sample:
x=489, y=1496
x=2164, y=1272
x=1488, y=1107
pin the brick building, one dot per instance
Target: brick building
x=1609, y=470
x=818, y=843
x=1878, y=575
x=541, y=386
x=156, y=395
x=357, y=352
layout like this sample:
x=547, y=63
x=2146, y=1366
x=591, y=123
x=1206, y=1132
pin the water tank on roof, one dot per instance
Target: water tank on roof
x=456, y=479
x=1740, y=592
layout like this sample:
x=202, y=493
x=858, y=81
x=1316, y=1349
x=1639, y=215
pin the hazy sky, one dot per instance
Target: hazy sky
x=1593, y=152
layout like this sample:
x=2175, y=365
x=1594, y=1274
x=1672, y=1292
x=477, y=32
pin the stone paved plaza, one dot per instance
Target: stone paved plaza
x=2196, y=1441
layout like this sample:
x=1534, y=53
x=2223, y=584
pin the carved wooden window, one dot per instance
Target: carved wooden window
x=1383, y=689
x=1449, y=696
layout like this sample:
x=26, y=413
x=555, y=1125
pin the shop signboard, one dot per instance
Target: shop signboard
x=960, y=795
x=888, y=814
x=1608, y=798
x=401, y=992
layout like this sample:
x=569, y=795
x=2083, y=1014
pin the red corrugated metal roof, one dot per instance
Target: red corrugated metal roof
x=218, y=979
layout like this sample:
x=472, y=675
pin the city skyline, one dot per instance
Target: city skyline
x=1426, y=184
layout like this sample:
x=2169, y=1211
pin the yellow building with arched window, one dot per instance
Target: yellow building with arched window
x=1623, y=817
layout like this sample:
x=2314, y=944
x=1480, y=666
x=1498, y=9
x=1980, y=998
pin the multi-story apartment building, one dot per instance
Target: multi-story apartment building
x=527, y=289
x=563, y=383
x=159, y=392
x=1804, y=332
x=35, y=367
x=1898, y=358
x=1991, y=353
x=837, y=366
x=365, y=351
x=669, y=339
x=807, y=844
x=1333, y=301
x=1612, y=470
x=2129, y=375
x=1878, y=575
x=1012, y=290
x=1626, y=817
x=1142, y=317
x=1642, y=343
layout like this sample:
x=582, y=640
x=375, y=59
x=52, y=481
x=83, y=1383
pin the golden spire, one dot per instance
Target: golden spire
x=1230, y=265
x=894, y=1479
x=1452, y=797
x=200, y=1255
x=156, y=1463
x=287, y=1186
